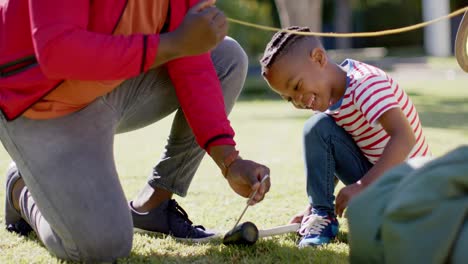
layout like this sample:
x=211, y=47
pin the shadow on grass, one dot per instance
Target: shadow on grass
x=446, y=113
x=265, y=252
x=342, y=237
x=259, y=94
x=435, y=112
x=298, y=115
x=280, y=249
x=270, y=250
x=255, y=88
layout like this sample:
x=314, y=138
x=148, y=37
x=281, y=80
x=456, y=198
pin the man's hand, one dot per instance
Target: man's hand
x=245, y=176
x=345, y=195
x=203, y=28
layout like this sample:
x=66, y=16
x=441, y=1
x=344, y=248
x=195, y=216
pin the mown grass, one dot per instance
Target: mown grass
x=268, y=131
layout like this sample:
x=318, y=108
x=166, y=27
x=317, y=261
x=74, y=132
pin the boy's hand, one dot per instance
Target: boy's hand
x=244, y=177
x=203, y=28
x=299, y=216
x=345, y=195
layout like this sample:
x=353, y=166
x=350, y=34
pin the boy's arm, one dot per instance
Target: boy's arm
x=402, y=140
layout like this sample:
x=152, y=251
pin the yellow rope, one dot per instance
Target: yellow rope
x=356, y=34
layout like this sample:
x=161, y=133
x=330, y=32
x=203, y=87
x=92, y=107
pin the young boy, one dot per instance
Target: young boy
x=366, y=125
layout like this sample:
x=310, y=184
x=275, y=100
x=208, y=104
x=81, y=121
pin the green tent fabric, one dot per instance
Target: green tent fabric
x=415, y=213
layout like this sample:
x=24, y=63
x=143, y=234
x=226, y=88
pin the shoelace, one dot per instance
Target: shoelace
x=178, y=210
x=313, y=225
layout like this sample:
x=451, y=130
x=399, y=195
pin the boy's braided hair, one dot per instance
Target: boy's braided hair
x=279, y=44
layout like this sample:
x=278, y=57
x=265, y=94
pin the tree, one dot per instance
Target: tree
x=343, y=22
x=300, y=13
x=259, y=11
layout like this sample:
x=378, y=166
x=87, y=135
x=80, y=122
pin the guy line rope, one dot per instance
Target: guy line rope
x=355, y=34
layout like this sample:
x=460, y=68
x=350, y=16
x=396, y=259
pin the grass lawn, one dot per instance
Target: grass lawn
x=268, y=131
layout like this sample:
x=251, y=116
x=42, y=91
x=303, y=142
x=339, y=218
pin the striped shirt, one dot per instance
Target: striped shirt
x=371, y=92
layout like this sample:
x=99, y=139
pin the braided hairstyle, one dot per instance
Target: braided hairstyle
x=279, y=44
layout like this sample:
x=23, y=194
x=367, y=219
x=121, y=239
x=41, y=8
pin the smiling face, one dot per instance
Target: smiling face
x=301, y=76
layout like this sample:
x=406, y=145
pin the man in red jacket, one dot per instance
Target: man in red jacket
x=75, y=73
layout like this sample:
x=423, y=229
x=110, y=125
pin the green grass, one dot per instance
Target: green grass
x=268, y=131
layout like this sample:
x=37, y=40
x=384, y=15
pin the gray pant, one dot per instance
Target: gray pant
x=74, y=201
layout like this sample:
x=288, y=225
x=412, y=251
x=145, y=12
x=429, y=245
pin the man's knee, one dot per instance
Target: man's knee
x=230, y=60
x=111, y=246
x=233, y=52
x=231, y=64
x=105, y=240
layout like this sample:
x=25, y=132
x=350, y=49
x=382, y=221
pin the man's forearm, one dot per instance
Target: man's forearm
x=220, y=153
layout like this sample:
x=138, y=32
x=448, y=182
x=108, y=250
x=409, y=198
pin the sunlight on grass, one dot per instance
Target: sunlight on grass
x=442, y=62
x=268, y=132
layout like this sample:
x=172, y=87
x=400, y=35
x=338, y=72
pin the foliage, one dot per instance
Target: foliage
x=381, y=14
x=368, y=15
x=261, y=12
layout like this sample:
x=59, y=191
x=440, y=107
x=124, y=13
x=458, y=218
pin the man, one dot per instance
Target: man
x=75, y=73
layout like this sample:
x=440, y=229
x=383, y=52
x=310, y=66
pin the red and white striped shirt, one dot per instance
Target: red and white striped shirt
x=371, y=92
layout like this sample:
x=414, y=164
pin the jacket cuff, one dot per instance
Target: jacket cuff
x=218, y=141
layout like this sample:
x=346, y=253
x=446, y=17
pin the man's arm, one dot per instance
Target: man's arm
x=199, y=92
x=202, y=28
x=65, y=48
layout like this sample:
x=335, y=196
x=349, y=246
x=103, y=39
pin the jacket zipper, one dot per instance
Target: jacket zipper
x=17, y=66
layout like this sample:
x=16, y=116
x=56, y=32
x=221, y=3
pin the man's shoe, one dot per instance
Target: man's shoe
x=13, y=220
x=170, y=219
x=318, y=228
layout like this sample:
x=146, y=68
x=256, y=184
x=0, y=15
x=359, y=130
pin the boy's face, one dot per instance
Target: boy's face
x=299, y=77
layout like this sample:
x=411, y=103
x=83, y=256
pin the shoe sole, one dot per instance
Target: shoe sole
x=193, y=240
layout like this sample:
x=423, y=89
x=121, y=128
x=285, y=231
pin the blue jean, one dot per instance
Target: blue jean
x=329, y=152
x=74, y=200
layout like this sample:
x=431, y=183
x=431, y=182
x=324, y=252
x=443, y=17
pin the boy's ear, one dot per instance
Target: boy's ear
x=319, y=55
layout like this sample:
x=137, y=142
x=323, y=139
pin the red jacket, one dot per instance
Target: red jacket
x=43, y=42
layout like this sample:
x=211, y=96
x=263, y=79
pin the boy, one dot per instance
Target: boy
x=366, y=126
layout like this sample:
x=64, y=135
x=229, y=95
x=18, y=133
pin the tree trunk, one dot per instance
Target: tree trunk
x=300, y=13
x=343, y=22
x=437, y=36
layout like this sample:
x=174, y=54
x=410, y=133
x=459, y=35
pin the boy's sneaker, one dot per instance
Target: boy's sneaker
x=13, y=220
x=318, y=228
x=170, y=219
